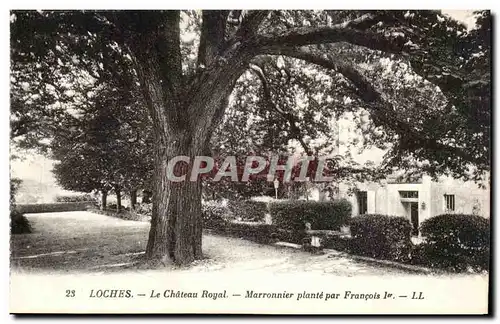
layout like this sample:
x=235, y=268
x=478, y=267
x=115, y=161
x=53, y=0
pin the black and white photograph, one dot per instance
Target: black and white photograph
x=248, y=161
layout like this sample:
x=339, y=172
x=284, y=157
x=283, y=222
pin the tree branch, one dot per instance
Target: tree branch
x=366, y=90
x=251, y=22
x=345, y=32
x=212, y=36
x=375, y=100
x=169, y=49
x=219, y=114
x=153, y=38
x=368, y=20
x=289, y=118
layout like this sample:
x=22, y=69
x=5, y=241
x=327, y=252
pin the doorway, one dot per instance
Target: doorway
x=362, y=197
x=414, y=218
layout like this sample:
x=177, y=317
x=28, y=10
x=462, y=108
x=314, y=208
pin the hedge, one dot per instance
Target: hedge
x=75, y=198
x=337, y=242
x=455, y=242
x=220, y=220
x=248, y=210
x=115, y=207
x=214, y=215
x=144, y=209
x=381, y=237
x=124, y=214
x=53, y=207
x=253, y=231
x=294, y=214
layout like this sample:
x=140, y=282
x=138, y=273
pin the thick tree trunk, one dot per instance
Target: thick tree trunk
x=118, y=200
x=176, y=226
x=133, y=198
x=184, y=112
x=104, y=198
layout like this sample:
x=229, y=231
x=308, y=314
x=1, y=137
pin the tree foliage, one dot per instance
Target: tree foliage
x=105, y=144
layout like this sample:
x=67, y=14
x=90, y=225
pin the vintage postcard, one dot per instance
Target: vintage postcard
x=250, y=161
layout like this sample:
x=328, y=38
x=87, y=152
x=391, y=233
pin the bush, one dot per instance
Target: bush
x=253, y=231
x=292, y=215
x=214, y=215
x=220, y=219
x=248, y=210
x=53, y=207
x=128, y=215
x=336, y=242
x=15, y=184
x=290, y=236
x=75, y=198
x=144, y=209
x=19, y=224
x=381, y=237
x=456, y=242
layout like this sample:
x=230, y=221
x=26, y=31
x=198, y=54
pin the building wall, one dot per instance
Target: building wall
x=431, y=194
x=381, y=200
x=386, y=199
x=469, y=199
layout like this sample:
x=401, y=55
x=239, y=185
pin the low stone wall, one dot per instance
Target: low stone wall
x=124, y=214
x=54, y=207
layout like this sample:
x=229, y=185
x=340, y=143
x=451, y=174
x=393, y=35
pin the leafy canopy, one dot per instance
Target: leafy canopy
x=415, y=83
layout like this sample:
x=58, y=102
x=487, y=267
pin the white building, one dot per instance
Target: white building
x=420, y=200
x=416, y=201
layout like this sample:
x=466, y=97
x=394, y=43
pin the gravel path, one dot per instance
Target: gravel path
x=88, y=242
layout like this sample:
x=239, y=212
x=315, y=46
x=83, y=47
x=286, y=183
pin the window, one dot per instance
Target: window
x=408, y=194
x=449, y=201
x=362, y=202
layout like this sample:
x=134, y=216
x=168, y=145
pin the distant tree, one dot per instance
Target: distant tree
x=15, y=183
x=105, y=145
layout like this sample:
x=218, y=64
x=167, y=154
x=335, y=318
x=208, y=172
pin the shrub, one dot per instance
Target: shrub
x=336, y=242
x=19, y=224
x=214, y=214
x=286, y=235
x=15, y=184
x=75, y=198
x=455, y=242
x=144, y=209
x=128, y=215
x=293, y=214
x=220, y=219
x=381, y=237
x=248, y=210
x=53, y=207
x=133, y=216
x=257, y=232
